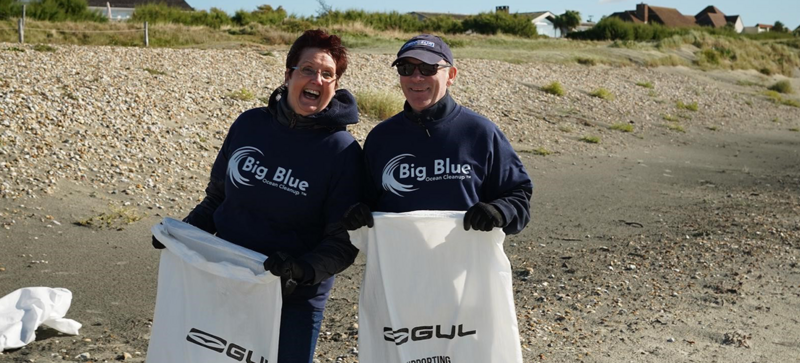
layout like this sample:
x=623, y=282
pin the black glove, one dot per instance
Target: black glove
x=357, y=216
x=157, y=245
x=483, y=217
x=283, y=265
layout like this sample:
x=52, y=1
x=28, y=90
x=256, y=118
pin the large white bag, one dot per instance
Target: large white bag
x=434, y=293
x=24, y=310
x=214, y=302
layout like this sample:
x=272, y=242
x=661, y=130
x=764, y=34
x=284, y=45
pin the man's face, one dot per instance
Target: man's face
x=423, y=91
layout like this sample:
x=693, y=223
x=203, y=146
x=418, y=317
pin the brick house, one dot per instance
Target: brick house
x=710, y=16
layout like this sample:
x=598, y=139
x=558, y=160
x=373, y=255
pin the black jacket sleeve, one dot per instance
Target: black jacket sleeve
x=202, y=216
x=333, y=255
x=508, y=186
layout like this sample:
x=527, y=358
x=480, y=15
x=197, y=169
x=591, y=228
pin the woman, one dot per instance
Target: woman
x=284, y=176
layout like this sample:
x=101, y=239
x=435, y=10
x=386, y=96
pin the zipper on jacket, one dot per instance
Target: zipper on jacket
x=426, y=128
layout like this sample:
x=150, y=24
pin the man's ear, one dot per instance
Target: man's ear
x=451, y=75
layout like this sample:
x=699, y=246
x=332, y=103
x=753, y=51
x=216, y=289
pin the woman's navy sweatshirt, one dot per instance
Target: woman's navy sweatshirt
x=447, y=158
x=282, y=185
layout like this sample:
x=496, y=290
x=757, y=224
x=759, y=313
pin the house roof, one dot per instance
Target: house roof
x=132, y=3
x=716, y=20
x=426, y=15
x=764, y=26
x=710, y=16
x=732, y=18
x=670, y=16
x=535, y=15
x=627, y=16
x=710, y=9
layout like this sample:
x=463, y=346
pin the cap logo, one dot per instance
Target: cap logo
x=414, y=43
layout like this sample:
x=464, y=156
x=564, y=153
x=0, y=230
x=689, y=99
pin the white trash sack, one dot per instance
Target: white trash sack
x=434, y=293
x=24, y=310
x=215, y=302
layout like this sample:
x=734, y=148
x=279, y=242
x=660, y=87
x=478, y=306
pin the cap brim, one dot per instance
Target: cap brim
x=422, y=55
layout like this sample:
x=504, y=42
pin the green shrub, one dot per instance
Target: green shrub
x=61, y=10
x=586, y=61
x=161, y=13
x=444, y=25
x=773, y=96
x=264, y=15
x=647, y=84
x=687, y=106
x=746, y=83
x=541, y=151
x=243, y=94
x=9, y=9
x=379, y=104
x=790, y=102
x=669, y=117
x=378, y=21
x=603, y=93
x=154, y=72
x=782, y=87
x=554, y=88
x=43, y=48
x=622, y=127
x=612, y=28
x=499, y=22
x=676, y=127
x=591, y=139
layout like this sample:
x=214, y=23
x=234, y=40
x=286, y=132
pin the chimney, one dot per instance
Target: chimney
x=501, y=9
x=643, y=12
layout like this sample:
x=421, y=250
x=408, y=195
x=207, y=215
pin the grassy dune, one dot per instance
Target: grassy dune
x=696, y=49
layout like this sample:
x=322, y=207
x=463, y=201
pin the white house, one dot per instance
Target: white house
x=543, y=20
x=759, y=28
x=123, y=9
x=585, y=26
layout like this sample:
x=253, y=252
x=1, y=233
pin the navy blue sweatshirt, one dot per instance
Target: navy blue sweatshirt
x=447, y=158
x=281, y=182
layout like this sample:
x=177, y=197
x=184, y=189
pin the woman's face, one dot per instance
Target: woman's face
x=309, y=90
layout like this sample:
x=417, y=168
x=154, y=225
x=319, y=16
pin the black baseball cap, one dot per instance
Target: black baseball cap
x=427, y=48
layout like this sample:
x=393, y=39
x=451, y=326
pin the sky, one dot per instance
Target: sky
x=751, y=11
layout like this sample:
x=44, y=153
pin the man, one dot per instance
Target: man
x=438, y=155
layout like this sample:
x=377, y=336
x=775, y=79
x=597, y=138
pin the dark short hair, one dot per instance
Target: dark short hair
x=319, y=38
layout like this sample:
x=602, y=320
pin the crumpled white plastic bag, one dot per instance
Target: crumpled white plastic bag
x=24, y=310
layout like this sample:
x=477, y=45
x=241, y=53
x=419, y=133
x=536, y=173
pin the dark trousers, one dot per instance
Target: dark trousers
x=299, y=332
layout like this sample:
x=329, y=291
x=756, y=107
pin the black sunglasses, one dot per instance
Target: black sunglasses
x=407, y=69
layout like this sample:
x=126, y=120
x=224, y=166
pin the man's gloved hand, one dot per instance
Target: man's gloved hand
x=283, y=265
x=483, y=217
x=357, y=216
x=157, y=245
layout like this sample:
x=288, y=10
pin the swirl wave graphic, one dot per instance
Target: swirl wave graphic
x=233, y=165
x=389, y=182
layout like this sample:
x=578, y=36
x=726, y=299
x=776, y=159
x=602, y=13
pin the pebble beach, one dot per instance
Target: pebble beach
x=671, y=239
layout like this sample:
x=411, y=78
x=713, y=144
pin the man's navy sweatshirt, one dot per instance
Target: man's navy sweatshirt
x=278, y=187
x=446, y=158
